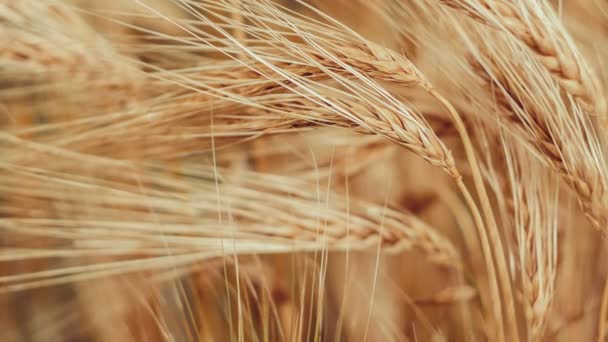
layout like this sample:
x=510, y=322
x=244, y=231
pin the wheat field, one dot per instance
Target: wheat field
x=303, y=170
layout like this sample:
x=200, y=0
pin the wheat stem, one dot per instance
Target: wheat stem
x=494, y=235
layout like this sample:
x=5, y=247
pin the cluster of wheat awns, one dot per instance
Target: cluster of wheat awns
x=267, y=170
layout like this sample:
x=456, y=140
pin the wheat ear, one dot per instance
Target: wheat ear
x=259, y=216
x=536, y=26
x=527, y=119
x=535, y=210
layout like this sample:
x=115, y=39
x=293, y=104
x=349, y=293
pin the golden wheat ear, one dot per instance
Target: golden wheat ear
x=535, y=212
x=49, y=41
x=118, y=231
x=59, y=65
x=536, y=25
x=530, y=116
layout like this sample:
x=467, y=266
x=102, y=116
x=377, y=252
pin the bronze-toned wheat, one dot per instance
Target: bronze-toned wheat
x=291, y=170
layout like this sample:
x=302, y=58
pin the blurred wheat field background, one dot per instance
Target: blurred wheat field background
x=290, y=170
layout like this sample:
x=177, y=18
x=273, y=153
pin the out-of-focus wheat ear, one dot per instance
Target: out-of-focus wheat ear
x=535, y=24
x=258, y=216
x=534, y=194
x=48, y=47
x=492, y=227
x=360, y=215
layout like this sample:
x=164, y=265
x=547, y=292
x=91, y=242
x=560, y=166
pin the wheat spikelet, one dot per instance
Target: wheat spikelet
x=44, y=48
